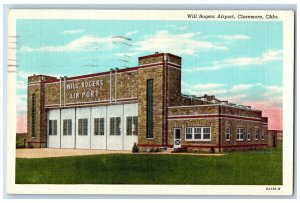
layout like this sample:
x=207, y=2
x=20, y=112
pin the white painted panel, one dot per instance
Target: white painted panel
x=83, y=141
x=114, y=142
x=68, y=141
x=53, y=141
x=129, y=110
x=98, y=141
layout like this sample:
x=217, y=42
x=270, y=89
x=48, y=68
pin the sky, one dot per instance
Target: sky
x=238, y=61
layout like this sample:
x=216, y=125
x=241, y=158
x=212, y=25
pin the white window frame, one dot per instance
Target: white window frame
x=256, y=134
x=117, y=130
x=83, y=127
x=199, y=132
x=227, y=133
x=239, y=132
x=133, y=126
x=249, y=135
x=202, y=134
x=52, y=127
x=67, y=132
x=186, y=129
x=100, y=126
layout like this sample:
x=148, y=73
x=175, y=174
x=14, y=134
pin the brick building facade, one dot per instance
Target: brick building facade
x=144, y=104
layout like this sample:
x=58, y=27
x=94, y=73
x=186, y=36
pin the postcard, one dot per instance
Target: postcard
x=156, y=102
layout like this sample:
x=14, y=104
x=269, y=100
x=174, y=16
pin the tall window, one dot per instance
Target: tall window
x=189, y=133
x=52, y=127
x=262, y=135
x=83, y=126
x=115, y=126
x=149, y=113
x=240, y=134
x=131, y=125
x=256, y=134
x=33, y=115
x=67, y=127
x=249, y=134
x=98, y=126
x=206, y=133
x=227, y=134
x=197, y=134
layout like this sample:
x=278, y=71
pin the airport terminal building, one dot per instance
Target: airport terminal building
x=113, y=110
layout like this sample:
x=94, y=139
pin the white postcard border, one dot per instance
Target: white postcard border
x=287, y=17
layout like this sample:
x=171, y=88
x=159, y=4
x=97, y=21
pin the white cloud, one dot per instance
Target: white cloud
x=88, y=42
x=129, y=54
x=72, y=32
x=242, y=87
x=208, y=86
x=24, y=75
x=178, y=27
x=235, y=98
x=21, y=84
x=233, y=37
x=128, y=34
x=181, y=44
x=269, y=56
x=274, y=89
x=201, y=89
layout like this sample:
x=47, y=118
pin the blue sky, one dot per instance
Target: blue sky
x=236, y=61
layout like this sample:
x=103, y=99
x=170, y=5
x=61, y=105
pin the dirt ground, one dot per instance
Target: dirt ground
x=50, y=152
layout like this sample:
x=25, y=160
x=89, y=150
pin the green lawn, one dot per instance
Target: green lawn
x=263, y=167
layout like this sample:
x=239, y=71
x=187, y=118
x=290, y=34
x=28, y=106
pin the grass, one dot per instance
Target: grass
x=262, y=167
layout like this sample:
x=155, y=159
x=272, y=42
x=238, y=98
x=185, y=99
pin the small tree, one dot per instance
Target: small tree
x=135, y=148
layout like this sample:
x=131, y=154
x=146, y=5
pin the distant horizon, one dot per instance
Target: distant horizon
x=236, y=61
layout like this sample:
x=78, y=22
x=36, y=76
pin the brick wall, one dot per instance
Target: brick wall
x=216, y=117
x=130, y=85
x=195, y=145
x=155, y=73
x=93, y=89
x=36, y=86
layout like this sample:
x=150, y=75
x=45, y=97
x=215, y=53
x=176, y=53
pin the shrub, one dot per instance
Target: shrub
x=154, y=149
x=135, y=148
x=29, y=145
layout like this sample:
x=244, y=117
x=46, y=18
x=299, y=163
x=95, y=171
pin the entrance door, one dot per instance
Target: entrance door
x=177, y=137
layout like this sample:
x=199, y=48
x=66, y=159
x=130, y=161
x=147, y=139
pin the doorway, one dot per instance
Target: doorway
x=177, y=137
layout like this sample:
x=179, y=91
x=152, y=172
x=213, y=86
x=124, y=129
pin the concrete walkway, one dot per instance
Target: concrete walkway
x=50, y=152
